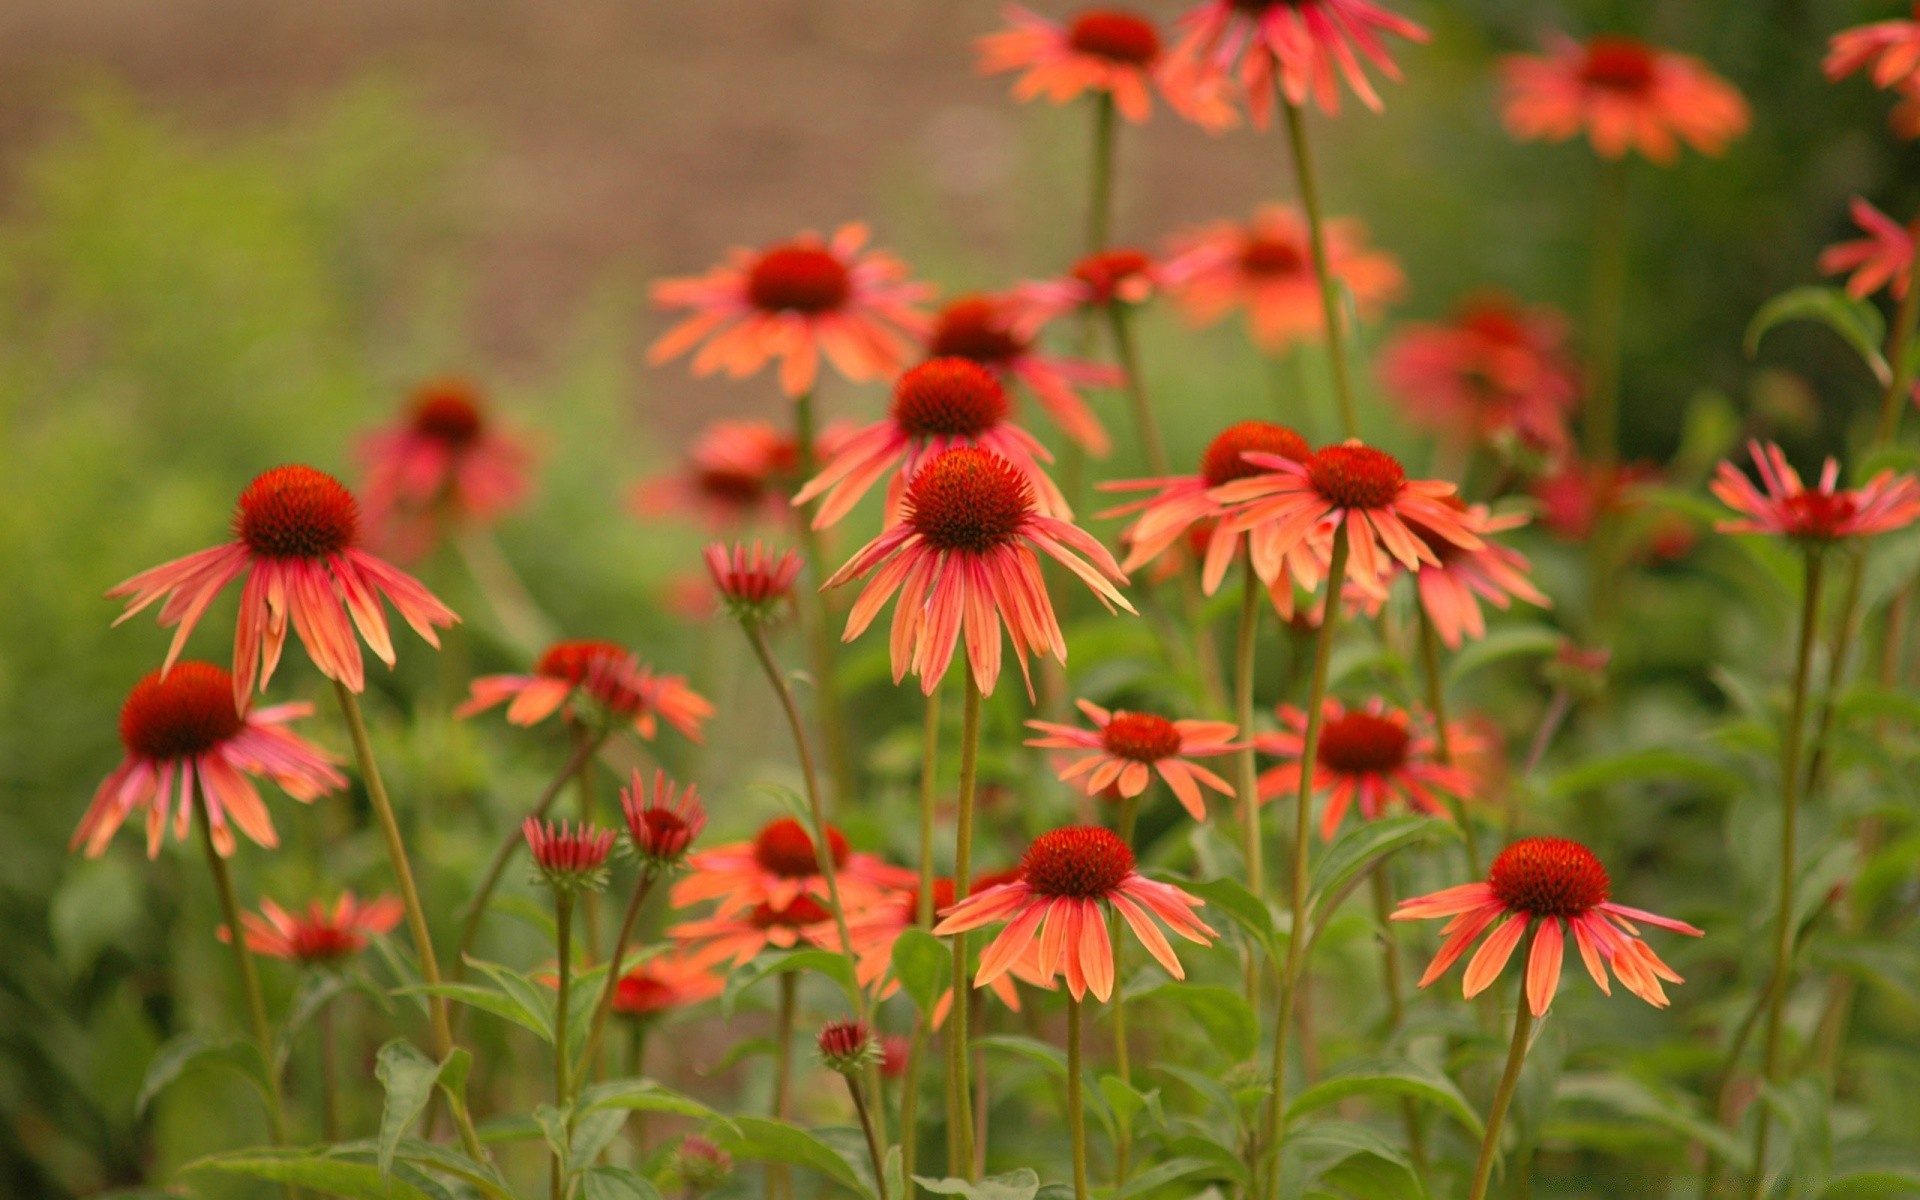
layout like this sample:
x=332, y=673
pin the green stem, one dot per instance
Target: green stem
x=1246, y=769
x=1390, y=979
x=826, y=655
x=1076, y=1118
x=636, y=1069
x=783, y=1066
x=1122, y=1056
x=1503, y=1097
x=960, y=1115
x=329, y=1073
x=590, y=901
x=1322, y=266
x=910, y=1099
x=518, y=613
x=1100, y=206
x=1899, y=344
x=604, y=1006
x=1607, y=301
x=257, y=1022
x=923, y=918
x=1443, y=736
x=874, y=1154
x=562, y=1061
x=1148, y=426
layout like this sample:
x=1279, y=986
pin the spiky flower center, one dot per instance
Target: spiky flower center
x=1360, y=743
x=1116, y=36
x=639, y=994
x=1618, y=64
x=663, y=833
x=948, y=397
x=1106, y=271
x=1222, y=462
x=1548, y=877
x=322, y=941
x=968, y=500
x=1084, y=862
x=784, y=848
x=296, y=512
x=798, y=278
x=974, y=327
x=187, y=713
x=1817, y=515
x=570, y=851
x=845, y=1043
x=1271, y=257
x=447, y=412
x=1142, y=737
x=1356, y=476
x=797, y=913
x=580, y=661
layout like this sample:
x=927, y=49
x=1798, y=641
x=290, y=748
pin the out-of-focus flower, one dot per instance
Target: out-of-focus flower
x=321, y=936
x=1128, y=748
x=874, y=932
x=569, y=859
x=1576, y=496
x=778, y=865
x=937, y=406
x=662, y=984
x=1372, y=754
x=990, y=331
x=702, y=1166
x=752, y=582
x=1308, y=46
x=1069, y=879
x=737, y=938
x=796, y=301
x=445, y=464
x=1122, y=276
x=1625, y=95
x=893, y=1056
x=737, y=472
x=605, y=675
x=1888, y=50
x=1818, y=515
x=847, y=1046
x=1495, y=370
x=1882, y=259
x=1266, y=267
x=1101, y=50
x=184, y=725
x=962, y=559
x=1451, y=588
x=662, y=821
x=1555, y=882
x=297, y=541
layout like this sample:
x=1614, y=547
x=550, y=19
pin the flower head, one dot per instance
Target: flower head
x=1578, y=494
x=737, y=472
x=184, y=725
x=1451, y=588
x=321, y=936
x=1882, y=259
x=962, y=559
x=752, y=582
x=1625, y=94
x=604, y=677
x=1128, y=748
x=1555, y=882
x=664, y=983
x=873, y=931
x=1100, y=281
x=1494, y=371
x=1819, y=515
x=847, y=1046
x=701, y=1165
x=1373, y=754
x=1266, y=266
x=1890, y=50
x=446, y=463
x=795, y=301
x=779, y=864
x=1110, y=51
x=296, y=540
x=663, y=821
x=1306, y=46
x=737, y=937
x=569, y=859
x=1069, y=879
x=996, y=332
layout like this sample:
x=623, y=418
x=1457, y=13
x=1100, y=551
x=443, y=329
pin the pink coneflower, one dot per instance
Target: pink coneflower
x=296, y=539
x=1553, y=881
x=1374, y=754
x=663, y=984
x=445, y=464
x=990, y=331
x=1357, y=486
x=752, y=582
x=1577, y=495
x=962, y=559
x=1495, y=370
x=1882, y=259
x=796, y=302
x=603, y=675
x=184, y=725
x=1307, y=45
x=1097, y=282
x=780, y=864
x=1625, y=94
x=1069, y=879
x=1101, y=50
x=662, y=821
x=941, y=404
x=1129, y=748
x=741, y=936
x=873, y=932
x=736, y=473
x=569, y=858
x=321, y=936
x=1818, y=515
x=1890, y=50
x=1452, y=588
x=1266, y=266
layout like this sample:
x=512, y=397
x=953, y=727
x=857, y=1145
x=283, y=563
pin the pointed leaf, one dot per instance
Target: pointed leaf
x=762, y=1139
x=1014, y=1185
x=1358, y=847
x=833, y=966
x=192, y=1051
x=924, y=967
x=1392, y=1077
x=1857, y=322
x=1223, y=1013
x=408, y=1077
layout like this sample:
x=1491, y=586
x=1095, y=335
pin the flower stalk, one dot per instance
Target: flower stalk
x=1503, y=1096
x=960, y=1114
x=562, y=1065
x=826, y=652
x=1322, y=266
x=1076, y=1116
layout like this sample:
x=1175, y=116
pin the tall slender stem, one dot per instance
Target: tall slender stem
x=562, y=1061
x=1790, y=744
x=923, y=918
x=1322, y=265
x=1390, y=979
x=519, y=614
x=616, y=960
x=1100, y=205
x=777, y=1179
x=818, y=615
x=589, y=902
x=1604, y=314
x=875, y=1155
x=1076, y=1117
x=1246, y=769
x=1442, y=735
x=959, y=1063
x=257, y=1022
x=1503, y=1097
x=1906, y=319
x=1122, y=1054
x=1145, y=422
x=329, y=1073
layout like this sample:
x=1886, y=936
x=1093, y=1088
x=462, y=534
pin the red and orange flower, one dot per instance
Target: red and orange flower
x=1129, y=748
x=1882, y=259
x=1375, y=755
x=1305, y=46
x=737, y=472
x=874, y=932
x=741, y=936
x=1494, y=371
x=1625, y=95
x=1103, y=51
x=662, y=984
x=321, y=936
x=998, y=333
x=1890, y=52
x=1452, y=588
x=605, y=675
x=1119, y=276
x=777, y=866
x=1818, y=515
x=445, y=464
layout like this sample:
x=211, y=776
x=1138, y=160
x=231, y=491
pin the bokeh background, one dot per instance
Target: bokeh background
x=233, y=232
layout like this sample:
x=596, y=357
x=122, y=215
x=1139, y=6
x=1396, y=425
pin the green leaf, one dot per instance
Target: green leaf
x=1392, y=1077
x=644, y=1095
x=1014, y=1185
x=1656, y=763
x=594, y=1132
x=1223, y=1013
x=1359, y=846
x=1632, y=1099
x=324, y=1172
x=1242, y=907
x=191, y=1051
x=833, y=966
x=1513, y=641
x=534, y=998
x=1128, y=1102
x=1054, y=1061
x=408, y=1077
x=317, y=989
x=448, y=1161
x=762, y=1139
x=553, y=1129
x=1164, y=1173
x=1312, y=1151
x=616, y=1183
x=1857, y=322
x=924, y=966
x=487, y=1000
x=1873, y=1169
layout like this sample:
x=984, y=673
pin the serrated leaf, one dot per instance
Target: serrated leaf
x=1857, y=322
x=924, y=966
x=190, y=1051
x=1391, y=1077
x=408, y=1077
x=833, y=966
x=762, y=1139
x=1013, y=1185
x=1224, y=1014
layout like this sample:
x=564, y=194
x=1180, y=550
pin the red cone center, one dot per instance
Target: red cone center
x=797, y=278
x=1142, y=737
x=1548, y=877
x=948, y=397
x=185, y=714
x=969, y=500
x=1222, y=462
x=1357, y=476
x=296, y=512
x=1116, y=36
x=1618, y=64
x=973, y=327
x=784, y=848
x=1359, y=743
x=1084, y=862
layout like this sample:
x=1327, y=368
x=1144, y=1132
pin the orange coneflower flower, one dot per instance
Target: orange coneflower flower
x=1374, y=754
x=1266, y=265
x=446, y=463
x=662, y=984
x=736, y=473
x=1307, y=46
x=1105, y=50
x=297, y=540
x=184, y=725
x=796, y=301
x=1495, y=370
x=995, y=332
x=1892, y=50
x=739, y=937
x=962, y=559
x=1625, y=94
x=1128, y=748
x=1553, y=881
x=1069, y=879
x=606, y=674
x=1119, y=276
x=1451, y=588
x=1882, y=259
x=938, y=405
x=1820, y=514
x=321, y=936
x=780, y=864
x=874, y=932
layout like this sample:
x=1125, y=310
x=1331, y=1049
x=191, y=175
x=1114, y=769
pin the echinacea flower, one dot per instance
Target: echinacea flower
x=796, y=301
x=990, y=331
x=1119, y=276
x=701, y=1165
x=662, y=984
x=780, y=864
x=1451, y=589
x=1349, y=485
x=752, y=582
x=1102, y=50
x=569, y=858
x=1306, y=46
x=184, y=726
x=736, y=473
x=847, y=1046
x=1069, y=880
x=738, y=937
x=938, y=405
x=1577, y=495
x=873, y=932
x=605, y=675
x=663, y=821
x=962, y=559
x=1819, y=515
x=1625, y=95
x=1557, y=883
x=1495, y=370
x=1129, y=748
x=1889, y=50
x=321, y=936
x=445, y=464
x=297, y=542
x=1882, y=259
x=1375, y=755
x=1266, y=266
